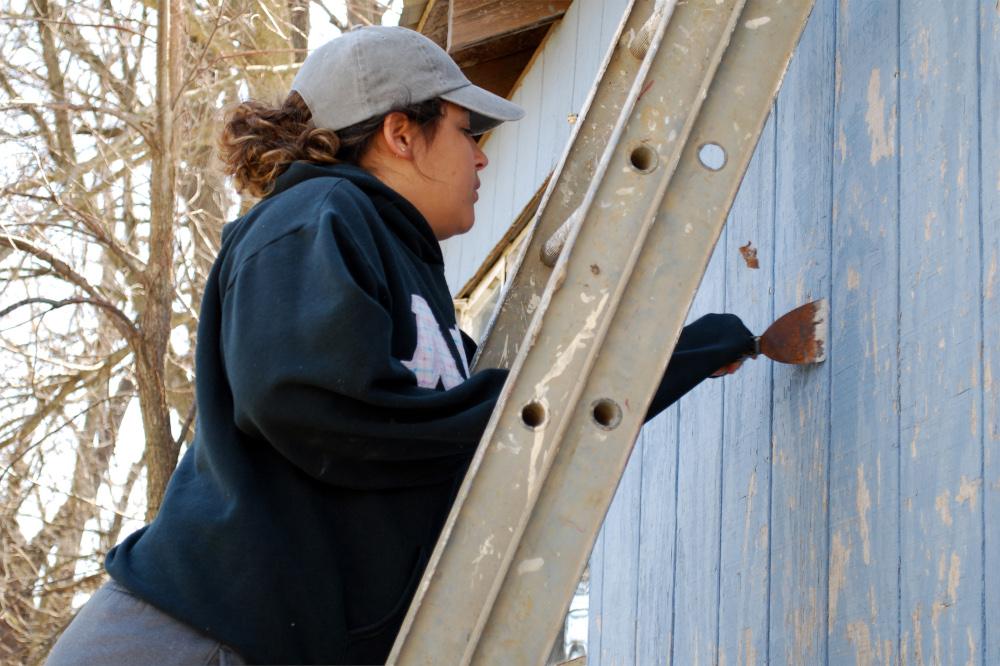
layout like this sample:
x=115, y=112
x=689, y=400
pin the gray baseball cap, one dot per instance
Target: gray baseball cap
x=372, y=70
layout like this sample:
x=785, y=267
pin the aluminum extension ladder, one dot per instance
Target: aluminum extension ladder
x=589, y=321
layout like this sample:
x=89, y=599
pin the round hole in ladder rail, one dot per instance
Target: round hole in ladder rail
x=533, y=414
x=712, y=156
x=643, y=158
x=607, y=413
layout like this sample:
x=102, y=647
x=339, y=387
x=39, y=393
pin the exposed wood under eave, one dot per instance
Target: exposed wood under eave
x=492, y=41
x=480, y=24
x=413, y=12
x=434, y=22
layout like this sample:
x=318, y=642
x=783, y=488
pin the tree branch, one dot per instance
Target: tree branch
x=14, y=18
x=201, y=56
x=56, y=82
x=127, y=259
x=340, y=25
x=55, y=305
x=31, y=111
x=133, y=122
x=124, y=325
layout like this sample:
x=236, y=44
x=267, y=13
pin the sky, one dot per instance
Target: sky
x=321, y=30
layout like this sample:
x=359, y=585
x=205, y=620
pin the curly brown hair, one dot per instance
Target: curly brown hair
x=259, y=141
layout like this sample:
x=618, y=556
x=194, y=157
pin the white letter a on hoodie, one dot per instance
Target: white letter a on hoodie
x=432, y=359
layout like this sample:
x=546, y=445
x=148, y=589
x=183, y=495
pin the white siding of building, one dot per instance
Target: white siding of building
x=522, y=154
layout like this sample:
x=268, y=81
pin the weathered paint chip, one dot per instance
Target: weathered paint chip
x=753, y=24
x=941, y=505
x=863, y=502
x=882, y=136
x=749, y=253
x=840, y=556
x=991, y=277
x=954, y=577
x=485, y=550
x=853, y=279
x=530, y=565
x=859, y=635
x=968, y=491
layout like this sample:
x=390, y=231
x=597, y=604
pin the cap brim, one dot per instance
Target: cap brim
x=486, y=110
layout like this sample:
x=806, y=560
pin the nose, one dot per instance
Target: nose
x=480, y=158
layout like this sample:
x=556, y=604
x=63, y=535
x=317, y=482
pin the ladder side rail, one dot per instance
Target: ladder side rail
x=484, y=526
x=554, y=547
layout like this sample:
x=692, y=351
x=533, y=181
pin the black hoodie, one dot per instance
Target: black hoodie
x=336, y=417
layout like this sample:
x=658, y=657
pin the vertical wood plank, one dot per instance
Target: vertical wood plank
x=746, y=472
x=798, y=574
x=940, y=327
x=621, y=576
x=464, y=254
x=524, y=173
x=474, y=244
x=595, y=604
x=503, y=198
x=546, y=112
x=590, y=49
x=989, y=102
x=696, y=579
x=451, y=251
x=556, y=89
x=613, y=11
x=864, y=446
x=558, y=105
x=657, y=527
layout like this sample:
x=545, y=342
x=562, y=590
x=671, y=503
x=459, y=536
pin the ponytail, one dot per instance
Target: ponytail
x=259, y=141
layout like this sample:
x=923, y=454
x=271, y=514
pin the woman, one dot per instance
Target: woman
x=336, y=411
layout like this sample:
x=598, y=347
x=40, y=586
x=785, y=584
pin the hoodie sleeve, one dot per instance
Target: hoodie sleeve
x=704, y=346
x=306, y=341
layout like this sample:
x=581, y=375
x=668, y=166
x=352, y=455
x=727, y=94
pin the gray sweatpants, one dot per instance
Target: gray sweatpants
x=116, y=627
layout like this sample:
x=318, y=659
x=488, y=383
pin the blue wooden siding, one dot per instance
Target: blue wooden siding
x=850, y=512
x=989, y=168
x=940, y=335
x=800, y=397
x=864, y=453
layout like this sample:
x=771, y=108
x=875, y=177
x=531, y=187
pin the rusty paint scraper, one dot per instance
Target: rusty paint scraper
x=798, y=336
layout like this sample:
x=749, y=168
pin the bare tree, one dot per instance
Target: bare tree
x=110, y=217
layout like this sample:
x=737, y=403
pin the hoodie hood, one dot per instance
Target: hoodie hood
x=399, y=214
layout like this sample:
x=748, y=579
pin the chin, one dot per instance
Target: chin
x=463, y=223
x=457, y=230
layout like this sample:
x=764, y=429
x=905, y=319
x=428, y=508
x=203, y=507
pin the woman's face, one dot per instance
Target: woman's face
x=448, y=166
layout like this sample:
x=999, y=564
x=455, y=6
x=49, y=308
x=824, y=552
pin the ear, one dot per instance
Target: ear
x=399, y=133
